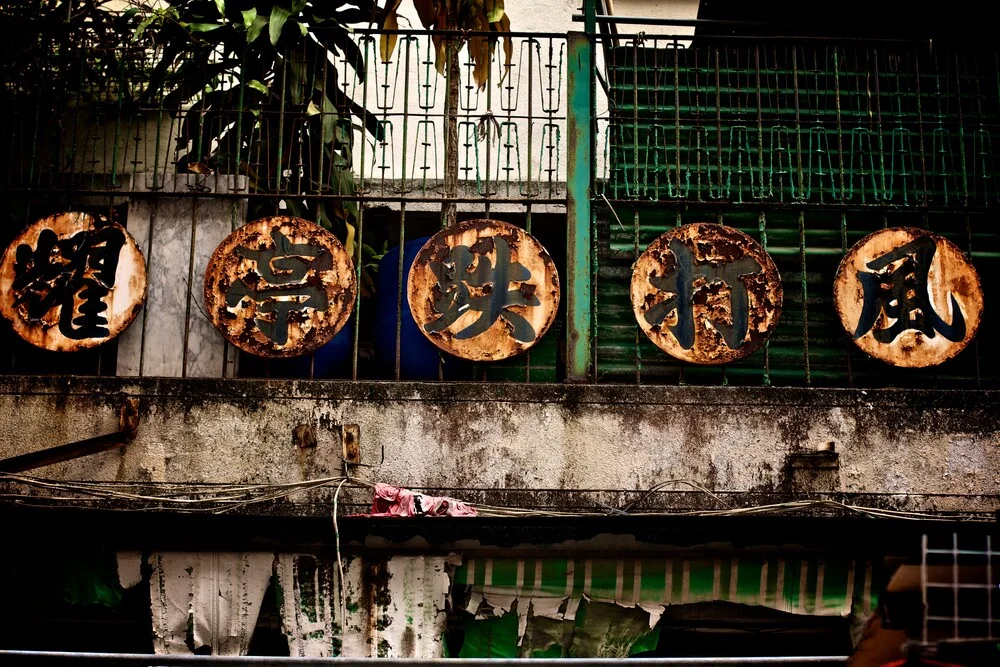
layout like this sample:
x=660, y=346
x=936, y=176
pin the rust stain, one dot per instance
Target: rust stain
x=85, y=304
x=308, y=299
x=914, y=271
x=706, y=293
x=483, y=290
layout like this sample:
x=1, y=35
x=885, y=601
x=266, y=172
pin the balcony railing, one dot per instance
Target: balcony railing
x=805, y=145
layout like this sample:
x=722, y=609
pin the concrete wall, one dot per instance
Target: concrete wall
x=527, y=445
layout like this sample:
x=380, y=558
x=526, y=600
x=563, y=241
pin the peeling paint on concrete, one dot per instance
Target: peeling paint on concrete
x=524, y=444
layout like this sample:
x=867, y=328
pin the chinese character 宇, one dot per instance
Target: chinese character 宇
x=277, y=285
x=683, y=285
x=75, y=274
x=901, y=293
x=486, y=289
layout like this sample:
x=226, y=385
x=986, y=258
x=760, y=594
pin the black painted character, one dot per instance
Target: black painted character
x=74, y=274
x=680, y=283
x=277, y=286
x=493, y=296
x=901, y=293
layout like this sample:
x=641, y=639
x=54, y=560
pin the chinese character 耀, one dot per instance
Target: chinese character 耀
x=277, y=284
x=76, y=274
x=901, y=293
x=690, y=283
x=486, y=289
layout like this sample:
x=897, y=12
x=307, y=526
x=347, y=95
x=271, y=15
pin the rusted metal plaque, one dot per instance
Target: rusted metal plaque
x=279, y=287
x=707, y=294
x=908, y=297
x=483, y=290
x=72, y=281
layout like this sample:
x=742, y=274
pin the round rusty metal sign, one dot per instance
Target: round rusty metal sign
x=72, y=281
x=707, y=294
x=908, y=297
x=279, y=287
x=483, y=290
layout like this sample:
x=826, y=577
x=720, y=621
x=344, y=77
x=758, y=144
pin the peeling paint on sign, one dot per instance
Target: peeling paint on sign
x=72, y=281
x=280, y=287
x=706, y=293
x=483, y=290
x=909, y=297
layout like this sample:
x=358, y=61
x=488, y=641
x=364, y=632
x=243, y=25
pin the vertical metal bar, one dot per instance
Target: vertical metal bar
x=840, y=127
x=961, y=131
x=805, y=296
x=638, y=332
x=923, y=583
x=989, y=586
x=190, y=293
x=920, y=128
x=281, y=124
x=954, y=583
x=579, y=177
x=359, y=205
x=762, y=228
x=798, y=132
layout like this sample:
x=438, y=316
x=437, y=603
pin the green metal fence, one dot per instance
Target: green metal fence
x=807, y=146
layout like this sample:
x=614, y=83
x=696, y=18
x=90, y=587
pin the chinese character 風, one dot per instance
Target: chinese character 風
x=901, y=293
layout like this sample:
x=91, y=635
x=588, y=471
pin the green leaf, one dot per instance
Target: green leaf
x=302, y=28
x=249, y=16
x=145, y=23
x=330, y=119
x=279, y=15
x=494, y=10
x=253, y=32
x=257, y=85
x=201, y=27
x=221, y=6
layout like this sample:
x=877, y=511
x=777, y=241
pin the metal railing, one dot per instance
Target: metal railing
x=806, y=145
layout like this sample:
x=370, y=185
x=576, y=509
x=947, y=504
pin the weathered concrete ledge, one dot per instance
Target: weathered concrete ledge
x=519, y=444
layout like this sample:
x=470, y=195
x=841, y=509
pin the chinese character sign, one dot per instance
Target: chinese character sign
x=72, y=281
x=706, y=293
x=483, y=290
x=280, y=287
x=908, y=297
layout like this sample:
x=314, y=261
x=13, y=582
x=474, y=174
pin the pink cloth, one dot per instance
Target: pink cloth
x=395, y=501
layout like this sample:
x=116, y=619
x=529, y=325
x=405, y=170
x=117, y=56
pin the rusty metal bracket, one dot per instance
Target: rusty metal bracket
x=128, y=424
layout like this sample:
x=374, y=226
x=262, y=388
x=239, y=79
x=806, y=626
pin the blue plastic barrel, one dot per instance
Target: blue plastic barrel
x=418, y=358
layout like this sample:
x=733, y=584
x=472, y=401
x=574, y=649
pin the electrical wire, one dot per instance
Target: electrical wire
x=219, y=498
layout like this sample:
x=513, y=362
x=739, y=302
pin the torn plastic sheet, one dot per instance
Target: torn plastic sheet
x=597, y=629
x=554, y=588
x=397, y=501
x=395, y=607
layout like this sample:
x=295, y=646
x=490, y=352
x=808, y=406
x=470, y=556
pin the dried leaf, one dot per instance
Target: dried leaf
x=387, y=43
x=427, y=12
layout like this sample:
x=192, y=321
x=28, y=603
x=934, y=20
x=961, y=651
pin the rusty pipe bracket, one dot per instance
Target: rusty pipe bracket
x=128, y=425
x=128, y=418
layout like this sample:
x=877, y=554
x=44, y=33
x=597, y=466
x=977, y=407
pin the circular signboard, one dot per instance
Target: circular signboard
x=72, y=281
x=279, y=287
x=483, y=290
x=908, y=297
x=707, y=294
